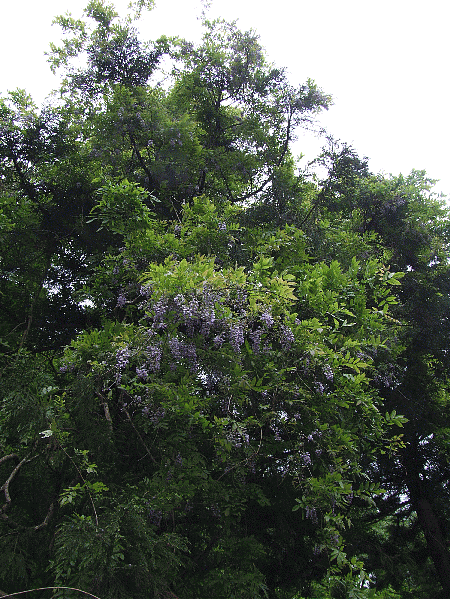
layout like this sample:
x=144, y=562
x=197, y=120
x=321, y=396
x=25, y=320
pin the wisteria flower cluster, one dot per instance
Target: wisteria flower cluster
x=179, y=330
x=237, y=437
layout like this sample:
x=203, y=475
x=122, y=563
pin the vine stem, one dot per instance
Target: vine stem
x=89, y=493
x=47, y=588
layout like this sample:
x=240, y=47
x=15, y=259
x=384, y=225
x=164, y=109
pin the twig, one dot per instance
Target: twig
x=47, y=588
x=106, y=409
x=5, y=486
x=87, y=489
x=9, y=456
x=47, y=518
x=138, y=434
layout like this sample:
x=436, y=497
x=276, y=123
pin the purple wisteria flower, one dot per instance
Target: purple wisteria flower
x=219, y=340
x=159, y=309
x=328, y=372
x=311, y=514
x=154, y=355
x=236, y=337
x=122, y=358
x=142, y=373
x=305, y=458
x=182, y=350
x=154, y=415
x=255, y=336
x=277, y=432
x=145, y=290
x=319, y=387
x=267, y=319
x=155, y=517
x=208, y=320
x=121, y=301
x=237, y=437
x=287, y=336
x=222, y=226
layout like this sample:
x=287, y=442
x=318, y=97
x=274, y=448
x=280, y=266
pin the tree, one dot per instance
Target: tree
x=205, y=354
x=411, y=224
x=210, y=406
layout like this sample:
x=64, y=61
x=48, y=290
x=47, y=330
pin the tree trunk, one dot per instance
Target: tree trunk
x=435, y=542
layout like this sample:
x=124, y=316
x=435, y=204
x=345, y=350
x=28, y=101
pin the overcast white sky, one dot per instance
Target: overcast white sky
x=386, y=64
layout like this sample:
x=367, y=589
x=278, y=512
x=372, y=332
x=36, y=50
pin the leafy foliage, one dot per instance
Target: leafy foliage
x=219, y=377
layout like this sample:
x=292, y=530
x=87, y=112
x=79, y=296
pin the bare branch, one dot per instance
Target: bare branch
x=47, y=518
x=5, y=486
x=105, y=409
x=9, y=456
x=2, y=594
x=139, y=435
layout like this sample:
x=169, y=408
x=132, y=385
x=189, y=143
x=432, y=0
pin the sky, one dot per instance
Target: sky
x=385, y=63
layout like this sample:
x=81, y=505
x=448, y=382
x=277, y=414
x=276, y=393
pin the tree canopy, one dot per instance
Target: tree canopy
x=220, y=376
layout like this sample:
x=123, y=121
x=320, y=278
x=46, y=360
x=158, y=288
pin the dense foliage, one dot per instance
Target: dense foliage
x=220, y=377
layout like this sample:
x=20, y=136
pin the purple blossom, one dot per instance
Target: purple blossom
x=236, y=337
x=159, y=309
x=211, y=379
x=311, y=514
x=155, y=516
x=319, y=387
x=241, y=298
x=255, y=336
x=154, y=355
x=237, y=437
x=222, y=226
x=154, y=415
x=219, y=340
x=287, y=336
x=142, y=373
x=121, y=301
x=328, y=372
x=122, y=358
x=179, y=300
x=267, y=319
x=182, y=350
x=145, y=290
x=209, y=319
x=386, y=379
x=190, y=311
x=276, y=432
x=315, y=434
x=305, y=458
